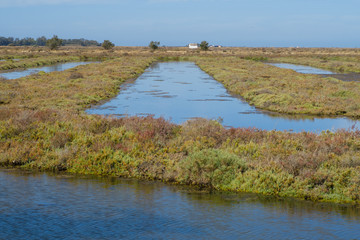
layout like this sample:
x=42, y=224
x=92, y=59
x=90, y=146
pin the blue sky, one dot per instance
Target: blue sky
x=256, y=23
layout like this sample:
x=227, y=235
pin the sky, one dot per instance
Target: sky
x=250, y=23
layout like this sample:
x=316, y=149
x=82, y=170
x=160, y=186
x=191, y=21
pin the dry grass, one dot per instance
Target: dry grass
x=16, y=52
x=283, y=90
x=67, y=90
x=36, y=62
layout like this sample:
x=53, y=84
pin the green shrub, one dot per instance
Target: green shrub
x=107, y=45
x=211, y=167
x=204, y=45
x=154, y=45
x=54, y=42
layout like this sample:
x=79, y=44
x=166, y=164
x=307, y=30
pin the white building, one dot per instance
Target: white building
x=193, y=45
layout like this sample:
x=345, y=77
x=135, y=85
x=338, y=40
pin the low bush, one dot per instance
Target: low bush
x=211, y=167
x=76, y=75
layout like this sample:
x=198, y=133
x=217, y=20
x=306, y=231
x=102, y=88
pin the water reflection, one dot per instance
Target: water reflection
x=37, y=206
x=58, y=67
x=180, y=91
x=12, y=59
x=301, y=68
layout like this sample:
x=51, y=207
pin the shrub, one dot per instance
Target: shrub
x=204, y=45
x=107, y=45
x=60, y=139
x=212, y=167
x=154, y=45
x=54, y=42
x=76, y=75
x=150, y=127
x=200, y=127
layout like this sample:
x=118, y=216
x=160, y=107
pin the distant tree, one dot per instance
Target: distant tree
x=204, y=45
x=54, y=42
x=6, y=41
x=41, y=41
x=154, y=45
x=26, y=42
x=16, y=42
x=107, y=45
x=81, y=42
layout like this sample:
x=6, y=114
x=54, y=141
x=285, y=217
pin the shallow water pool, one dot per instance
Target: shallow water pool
x=301, y=68
x=57, y=67
x=180, y=91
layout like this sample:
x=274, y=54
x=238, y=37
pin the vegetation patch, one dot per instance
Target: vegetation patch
x=282, y=90
x=322, y=167
x=74, y=89
x=43, y=126
x=36, y=62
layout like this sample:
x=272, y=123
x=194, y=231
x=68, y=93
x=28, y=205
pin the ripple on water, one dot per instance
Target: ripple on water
x=301, y=68
x=13, y=74
x=184, y=91
x=35, y=206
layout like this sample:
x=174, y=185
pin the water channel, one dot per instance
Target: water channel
x=301, y=68
x=42, y=206
x=13, y=74
x=13, y=59
x=347, y=77
x=180, y=91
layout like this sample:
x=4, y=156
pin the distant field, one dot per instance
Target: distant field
x=178, y=51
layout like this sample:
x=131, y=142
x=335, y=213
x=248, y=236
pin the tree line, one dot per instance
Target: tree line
x=41, y=41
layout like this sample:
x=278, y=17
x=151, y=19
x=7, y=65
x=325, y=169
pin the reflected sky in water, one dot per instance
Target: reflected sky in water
x=180, y=91
x=58, y=67
x=301, y=68
x=41, y=206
